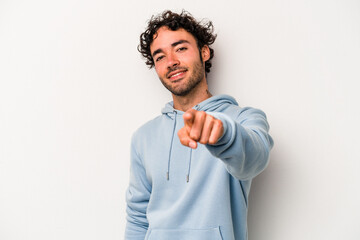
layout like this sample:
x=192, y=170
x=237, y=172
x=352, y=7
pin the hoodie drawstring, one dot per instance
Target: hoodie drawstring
x=171, y=144
x=188, y=173
x=170, y=151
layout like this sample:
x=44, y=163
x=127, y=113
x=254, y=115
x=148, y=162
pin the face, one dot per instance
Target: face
x=177, y=60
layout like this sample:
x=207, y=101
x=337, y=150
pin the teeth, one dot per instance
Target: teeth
x=176, y=74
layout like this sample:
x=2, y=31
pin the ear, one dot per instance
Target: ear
x=205, y=53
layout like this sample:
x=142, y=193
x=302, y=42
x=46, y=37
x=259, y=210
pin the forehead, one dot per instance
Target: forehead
x=164, y=37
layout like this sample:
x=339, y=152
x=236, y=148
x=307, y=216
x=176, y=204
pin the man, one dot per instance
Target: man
x=191, y=167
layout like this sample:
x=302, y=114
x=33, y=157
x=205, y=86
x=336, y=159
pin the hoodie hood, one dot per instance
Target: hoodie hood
x=211, y=104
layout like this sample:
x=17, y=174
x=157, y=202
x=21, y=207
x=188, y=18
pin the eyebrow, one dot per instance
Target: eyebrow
x=172, y=45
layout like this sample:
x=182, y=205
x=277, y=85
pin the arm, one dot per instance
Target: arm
x=245, y=145
x=137, y=198
x=242, y=143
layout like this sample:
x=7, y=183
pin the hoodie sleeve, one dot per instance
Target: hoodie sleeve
x=245, y=145
x=137, y=198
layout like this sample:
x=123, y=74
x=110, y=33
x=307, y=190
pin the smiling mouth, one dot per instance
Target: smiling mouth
x=177, y=74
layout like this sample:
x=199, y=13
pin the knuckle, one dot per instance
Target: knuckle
x=183, y=141
x=218, y=122
x=212, y=142
x=209, y=117
x=203, y=141
x=211, y=120
x=201, y=114
x=195, y=137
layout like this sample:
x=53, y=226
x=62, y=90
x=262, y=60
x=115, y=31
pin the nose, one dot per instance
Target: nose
x=173, y=61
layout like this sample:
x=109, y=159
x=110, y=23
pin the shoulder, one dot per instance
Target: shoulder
x=148, y=127
x=243, y=114
x=236, y=111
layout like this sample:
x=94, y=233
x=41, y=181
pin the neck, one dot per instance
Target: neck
x=197, y=95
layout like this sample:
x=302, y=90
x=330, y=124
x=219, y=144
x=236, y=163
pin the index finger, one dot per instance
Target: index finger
x=189, y=117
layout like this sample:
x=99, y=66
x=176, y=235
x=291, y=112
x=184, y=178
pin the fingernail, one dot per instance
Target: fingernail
x=192, y=144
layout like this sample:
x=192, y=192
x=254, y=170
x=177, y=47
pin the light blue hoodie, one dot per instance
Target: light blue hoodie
x=177, y=193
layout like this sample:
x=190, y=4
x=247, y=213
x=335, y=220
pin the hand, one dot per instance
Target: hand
x=200, y=127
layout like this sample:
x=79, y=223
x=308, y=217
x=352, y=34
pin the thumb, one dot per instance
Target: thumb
x=185, y=139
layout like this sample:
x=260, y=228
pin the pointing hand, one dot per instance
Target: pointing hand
x=200, y=127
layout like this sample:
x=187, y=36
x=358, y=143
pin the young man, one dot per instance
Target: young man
x=191, y=167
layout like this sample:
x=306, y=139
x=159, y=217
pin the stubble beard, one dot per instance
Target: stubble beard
x=195, y=78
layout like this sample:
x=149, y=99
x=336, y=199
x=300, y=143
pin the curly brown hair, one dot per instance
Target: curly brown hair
x=202, y=32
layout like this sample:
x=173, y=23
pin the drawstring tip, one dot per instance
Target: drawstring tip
x=187, y=178
x=167, y=176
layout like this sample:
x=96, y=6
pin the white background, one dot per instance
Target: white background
x=73, y=89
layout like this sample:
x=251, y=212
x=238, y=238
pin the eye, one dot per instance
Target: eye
x=182, y=49
x=159, y=58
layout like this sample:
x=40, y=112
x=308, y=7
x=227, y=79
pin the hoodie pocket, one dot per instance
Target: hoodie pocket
x=185, y=234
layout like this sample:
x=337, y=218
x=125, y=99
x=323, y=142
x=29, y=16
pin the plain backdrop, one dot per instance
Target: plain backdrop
x=73, y=89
